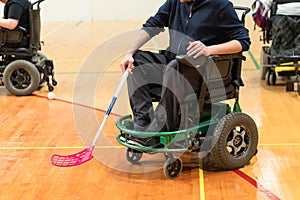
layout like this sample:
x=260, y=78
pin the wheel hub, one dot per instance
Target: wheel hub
x=20, y=78
x=238, y=142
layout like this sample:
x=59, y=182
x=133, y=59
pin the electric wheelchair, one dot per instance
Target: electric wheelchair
x=282, y=56
x=23, y=68
x=223, y=133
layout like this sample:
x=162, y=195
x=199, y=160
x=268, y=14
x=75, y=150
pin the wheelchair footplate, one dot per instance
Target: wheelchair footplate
x=170, y=142
x=228, y=137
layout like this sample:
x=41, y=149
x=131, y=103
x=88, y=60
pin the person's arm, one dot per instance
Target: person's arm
x=140, y=40
x=9, y=23
x=197, y=48
x=153, y=26
x=14, y=15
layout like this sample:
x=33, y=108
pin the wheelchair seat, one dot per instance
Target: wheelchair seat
x=221, y=81
x=13, y=38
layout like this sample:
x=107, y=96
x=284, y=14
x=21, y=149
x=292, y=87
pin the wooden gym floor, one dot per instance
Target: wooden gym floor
x=86, y=57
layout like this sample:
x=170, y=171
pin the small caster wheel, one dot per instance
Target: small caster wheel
x=267, y=79
x=133, y=155
x=54, y=82
x=50, y=88
x=271, y=78
x=172, y=167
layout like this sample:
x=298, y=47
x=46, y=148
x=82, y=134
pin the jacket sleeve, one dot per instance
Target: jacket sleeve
x=155, y=24
x=234, y=28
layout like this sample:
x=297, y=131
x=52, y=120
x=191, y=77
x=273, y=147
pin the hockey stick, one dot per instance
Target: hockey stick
x=87, y=154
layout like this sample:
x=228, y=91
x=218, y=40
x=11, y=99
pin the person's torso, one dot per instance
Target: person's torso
x=196, y=21
x=24, y=18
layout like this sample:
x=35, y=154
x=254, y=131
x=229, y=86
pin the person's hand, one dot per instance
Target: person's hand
x=127, y=63
x=197, y=49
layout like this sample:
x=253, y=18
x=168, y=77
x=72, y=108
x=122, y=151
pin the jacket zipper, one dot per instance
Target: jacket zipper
x=191, y=12
x=187, y=21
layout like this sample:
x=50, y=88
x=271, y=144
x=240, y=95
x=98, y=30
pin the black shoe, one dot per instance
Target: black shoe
x=138, y=128
x=134, y=127
x=146, y=142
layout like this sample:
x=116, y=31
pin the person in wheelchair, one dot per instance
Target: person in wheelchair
x=284, y=27
x=196, y=28
x=15, y=16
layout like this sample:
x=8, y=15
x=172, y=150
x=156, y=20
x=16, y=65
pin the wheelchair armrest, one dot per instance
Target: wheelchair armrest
x=14, y=36
x=229, y=56
x=200, y=61
x=191, y=61
x=24, y=30
x=18, y=28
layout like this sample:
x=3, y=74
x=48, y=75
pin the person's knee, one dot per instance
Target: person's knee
x=173, y=65
x=141, y=58
x=172, y=70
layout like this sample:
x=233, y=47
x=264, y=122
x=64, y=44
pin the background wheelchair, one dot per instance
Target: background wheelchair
x=22, y=67
x=281, y=57
x=224, y=135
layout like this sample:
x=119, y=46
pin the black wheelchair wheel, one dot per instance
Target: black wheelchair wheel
x=172, y=167
x=21, y=78
x=237, y=141
x=133, y=155
x=271, y=77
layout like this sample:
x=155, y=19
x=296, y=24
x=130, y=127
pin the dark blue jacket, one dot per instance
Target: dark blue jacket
x=210, y=21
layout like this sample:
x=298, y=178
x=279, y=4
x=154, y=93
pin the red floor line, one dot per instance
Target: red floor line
x=78, y=104
x=261, y=188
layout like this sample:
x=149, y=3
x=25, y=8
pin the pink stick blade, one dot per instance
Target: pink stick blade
x=73, y=159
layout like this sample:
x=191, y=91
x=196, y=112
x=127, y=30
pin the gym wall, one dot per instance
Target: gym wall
x=90, y=10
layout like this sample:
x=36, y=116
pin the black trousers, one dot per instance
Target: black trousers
x=155, y=75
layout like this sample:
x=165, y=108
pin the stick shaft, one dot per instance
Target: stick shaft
x=112, y=103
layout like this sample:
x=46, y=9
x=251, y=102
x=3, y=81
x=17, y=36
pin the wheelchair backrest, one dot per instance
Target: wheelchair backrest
x=276, y=2
x=285, y=1
x=35, y=26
